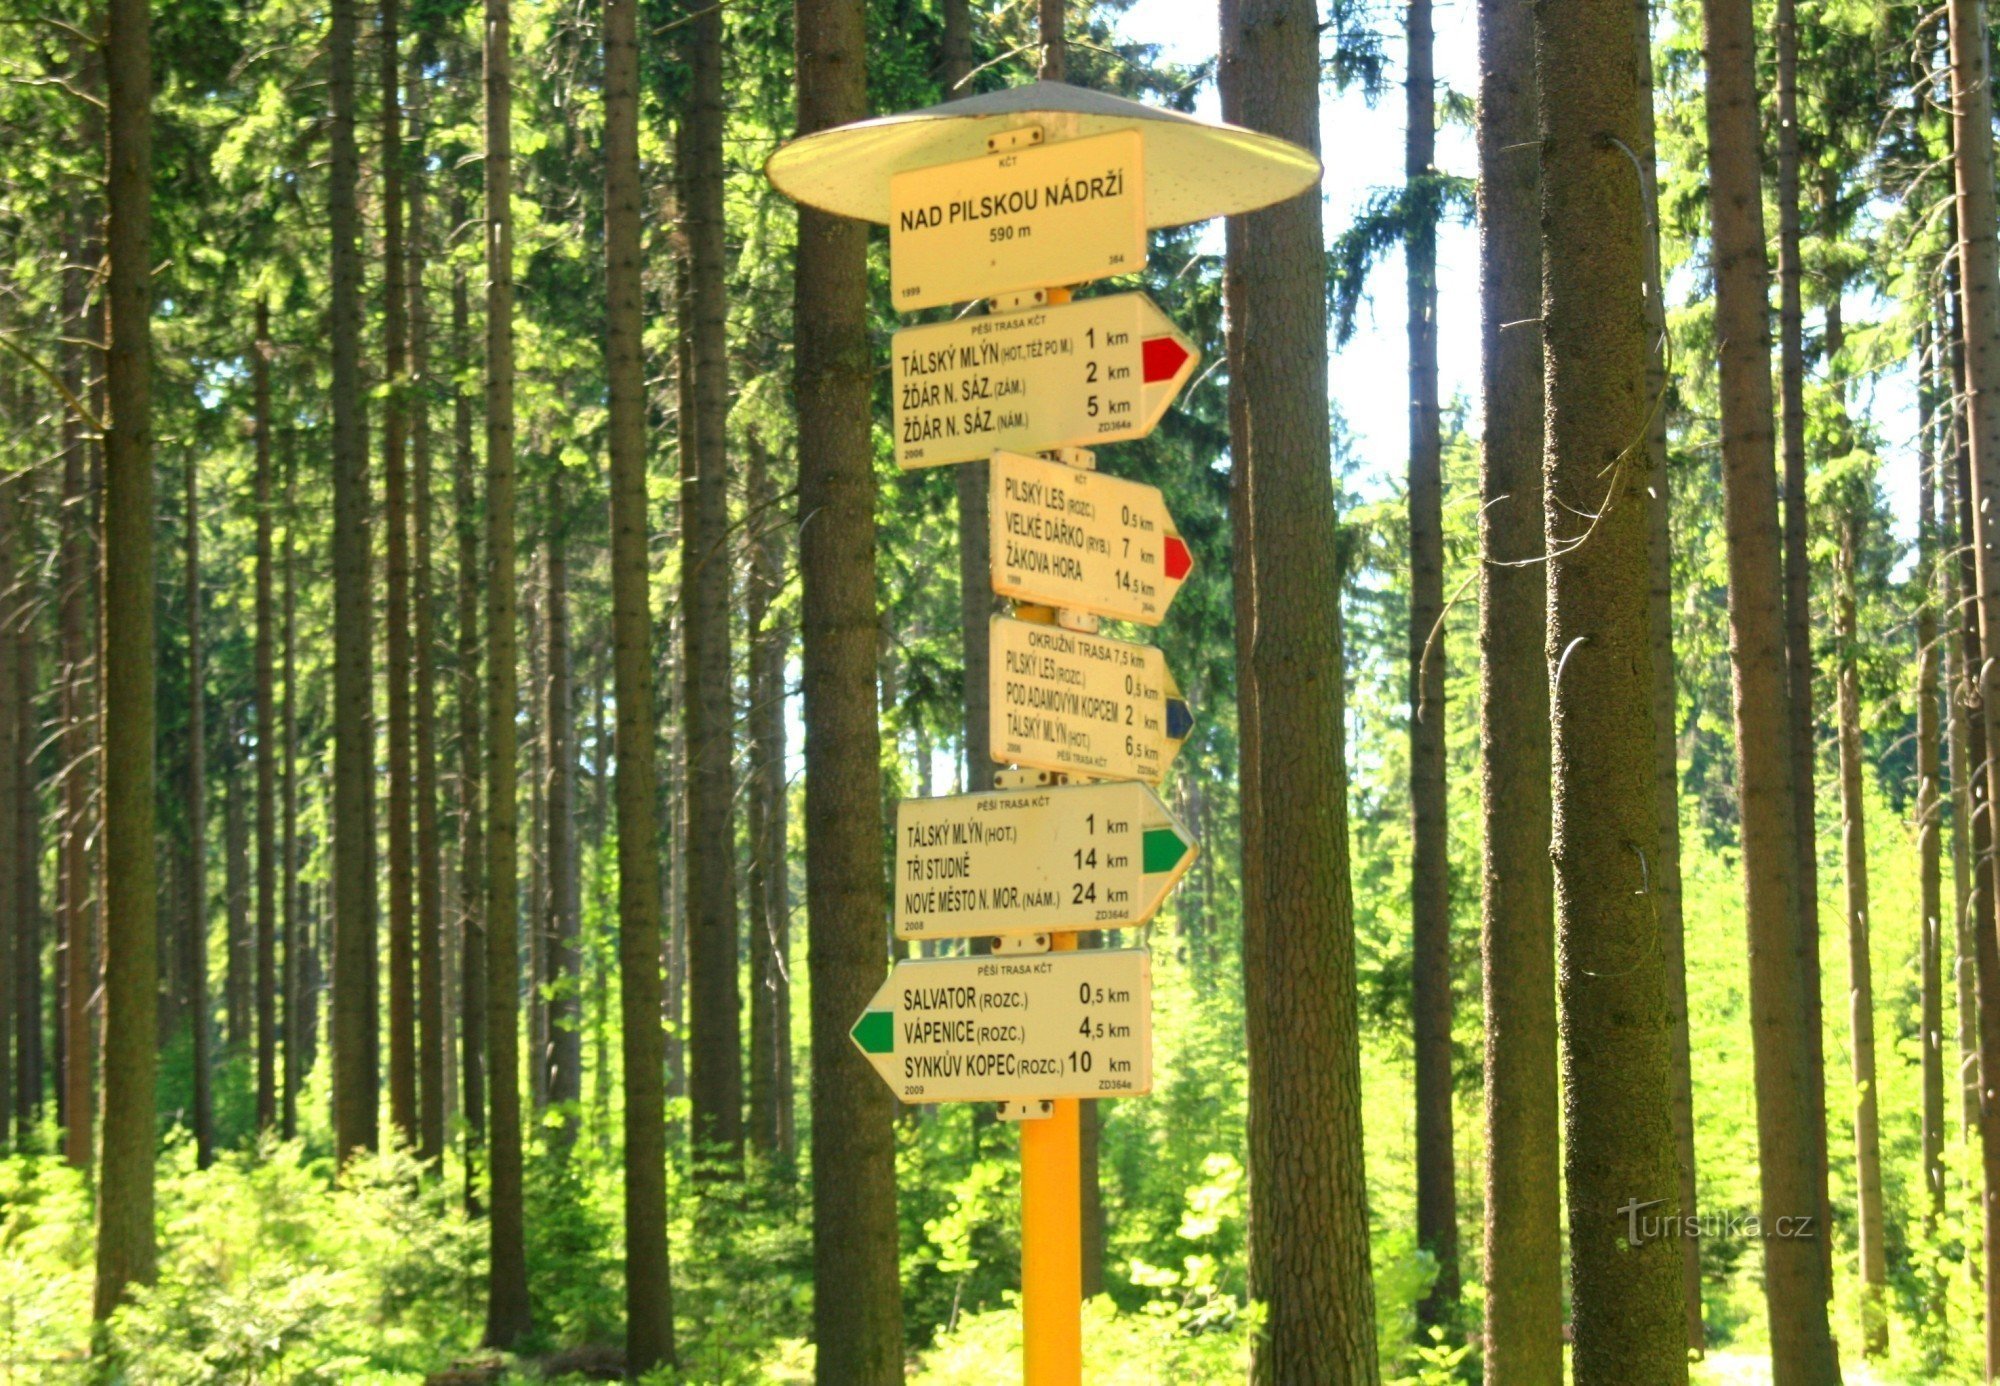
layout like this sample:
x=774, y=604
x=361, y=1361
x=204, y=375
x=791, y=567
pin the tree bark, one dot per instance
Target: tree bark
x=396, y=616
x=507, y=1307
x=194, y=934
x=715, y=1076
x=1930, y=807
x=1523, y=1237
x=1430, y=866
x=649, y=1304
x=1617, y=1044
x=15, y=959
x=1960, y=691
x=1789, y=1149
x=125, y=1237
x=1798, y=599
x=433, y=1096
x=1861, y=984
x=564, y=1084
x=355, y=1109
x=29, y=1077
x=77, y=981
x=857, y=1310
x=1309, y=1257
x=240, y=979
x=267, y=736
x=770, y=902
x=471, y=811
x=298, y=1021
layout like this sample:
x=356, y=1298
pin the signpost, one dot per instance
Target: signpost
x=1075, y=539
x=1068, y=184
x=1026, y=861
x=1030, y=216
x=1081, y=704
x=1096, y=370
x=1014, y=1028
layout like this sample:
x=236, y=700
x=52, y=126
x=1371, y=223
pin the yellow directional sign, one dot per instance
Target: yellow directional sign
x=1083, y=541
x=1029, y=218
x=1062, y=700
x=1077, y=374
x=1024, y=861
x=1013, y=1027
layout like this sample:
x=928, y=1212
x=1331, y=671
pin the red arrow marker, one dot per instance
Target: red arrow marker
x=1161, y=358
x=1179, y=562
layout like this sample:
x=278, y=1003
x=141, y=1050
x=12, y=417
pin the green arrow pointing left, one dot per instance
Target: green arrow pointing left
x=875, y=1032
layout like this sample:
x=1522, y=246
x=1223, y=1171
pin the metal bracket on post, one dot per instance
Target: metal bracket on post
x=1025, y=137
x=1026, y=1111
x=1018, y=301
x=1016, y=944
x=1027, y=779
x=1083, y=459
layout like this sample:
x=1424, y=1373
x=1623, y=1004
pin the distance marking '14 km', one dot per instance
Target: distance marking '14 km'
x=1035, y=218
x=1023, y=861
x=1062, y=700
x=1098, y=370
x=1083, y=541
x=1014, y=1027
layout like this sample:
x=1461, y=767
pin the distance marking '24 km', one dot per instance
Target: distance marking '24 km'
x=1013, y=1027
x=1083, y=541
x=1082, y=704
x=1024, y=861
x=1098, y=370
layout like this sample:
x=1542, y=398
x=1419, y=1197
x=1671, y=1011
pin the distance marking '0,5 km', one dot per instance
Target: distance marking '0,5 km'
x=1013, y=1027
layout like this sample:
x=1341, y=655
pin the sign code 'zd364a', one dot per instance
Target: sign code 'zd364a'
x=1013, y=1027
x=1062, y=700
x=1083, y=541
x=1021, y=861
x=1053, y=214
x=1098, y=370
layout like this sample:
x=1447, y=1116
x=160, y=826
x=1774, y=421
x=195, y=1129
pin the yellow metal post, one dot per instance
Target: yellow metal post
x=1052, y=1241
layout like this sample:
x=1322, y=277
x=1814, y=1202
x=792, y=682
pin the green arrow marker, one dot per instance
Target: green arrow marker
x=1163, y=850
x=875, y=1032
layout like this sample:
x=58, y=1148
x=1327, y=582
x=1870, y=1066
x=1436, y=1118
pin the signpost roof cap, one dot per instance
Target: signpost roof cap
x=1195, y=169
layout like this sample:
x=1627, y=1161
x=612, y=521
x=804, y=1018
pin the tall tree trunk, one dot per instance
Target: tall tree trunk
x=194, y=933
x=770, y=903
x=1430, y=867
x=507, y=1307
x=1930, y=807
x=564, y=1083
x=471, y=812
x=267, y=738
x=14, y=957
x=716, y=1071
x=1617, y=1043
x=432, y=1041
x=1666, y=693
x=396, y=617
x=240, y=954
x=1789, y=1149
x=1861, y=984
x=1798, y=600
x=77, y=980
x=1523, y=1243
x=27, y=999
x=857, y=1312
x=298, y=1002
x=535, y=909
x=1308, y=1218
x=649, y=1302
x=355, y=1108
x=125, y=1238
x=1959, y=720
x=1981, y=896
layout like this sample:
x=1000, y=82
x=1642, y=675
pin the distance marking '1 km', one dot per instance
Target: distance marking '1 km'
x=1099, y=370
x=1014, y=1027
x=1083, y=541
x=1022, y=861
x=1062, y=700
x=1035, y=218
